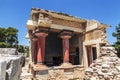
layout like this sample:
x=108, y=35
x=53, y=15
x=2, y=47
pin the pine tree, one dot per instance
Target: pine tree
x=8, y=37
x=117, y=43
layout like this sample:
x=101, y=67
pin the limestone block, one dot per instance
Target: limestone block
x=12, y=66
x=79, y=73
x=8, y=51
x=2, y=69
x=56, y=75
x=118, y=68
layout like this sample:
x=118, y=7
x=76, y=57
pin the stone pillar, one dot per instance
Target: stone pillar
x=41, y=46
x=98, y=49
x=30, y=47
x=35, y=49
x=81, y=49
x=66, y=35
x=85, y=62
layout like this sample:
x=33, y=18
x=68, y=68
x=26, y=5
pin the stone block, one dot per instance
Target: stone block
x=8, y=51
x=11, y=67
x=2, y=69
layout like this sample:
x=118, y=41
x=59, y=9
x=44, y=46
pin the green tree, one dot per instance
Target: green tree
x=21, y=49
x=8, y=37
x=117, y=43
x=27, y=51
x=11, y=36
x=2, y=34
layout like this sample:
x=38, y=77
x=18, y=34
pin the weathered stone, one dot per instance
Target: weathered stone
x=105, y=67
x=2, y=69
x=14, y=69
x=12, y=66
x=56, y=75
x=8, y=51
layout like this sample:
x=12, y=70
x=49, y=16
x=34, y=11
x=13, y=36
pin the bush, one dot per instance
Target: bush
x=4, y=45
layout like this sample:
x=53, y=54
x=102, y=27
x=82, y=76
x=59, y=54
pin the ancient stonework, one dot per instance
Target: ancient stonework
x=76, y=73
x=10, y=65
x=2, y=69
x=8, y=51
x=105, y=67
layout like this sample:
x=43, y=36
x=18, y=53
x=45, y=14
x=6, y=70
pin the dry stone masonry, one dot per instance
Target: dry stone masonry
x=105, y=67
x=10, y=65
x=75, y=73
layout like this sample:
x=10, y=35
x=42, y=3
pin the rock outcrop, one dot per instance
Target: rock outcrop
x=2, y=69
x=10, y=65
x=105, y=67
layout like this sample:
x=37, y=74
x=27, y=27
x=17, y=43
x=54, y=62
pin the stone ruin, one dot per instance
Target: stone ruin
x=105, y=67
x=10, y=64
x=75, y=73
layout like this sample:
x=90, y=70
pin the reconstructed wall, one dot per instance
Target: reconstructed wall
x=67, y=23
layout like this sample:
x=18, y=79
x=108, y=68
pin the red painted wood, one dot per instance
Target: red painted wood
x=35, y=50
x=41, y=47
x=66, y=47
x=88, y=48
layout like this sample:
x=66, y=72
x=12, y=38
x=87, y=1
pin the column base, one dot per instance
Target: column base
x=66, y=65
x=38, y=67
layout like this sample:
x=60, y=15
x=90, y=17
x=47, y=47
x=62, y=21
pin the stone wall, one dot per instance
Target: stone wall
x=8, y=51
x=68, y=23
x=105, y=67
x=75, y=73
x=10, y=65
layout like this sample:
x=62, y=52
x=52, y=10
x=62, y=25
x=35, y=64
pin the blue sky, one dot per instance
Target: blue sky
x=15, y=13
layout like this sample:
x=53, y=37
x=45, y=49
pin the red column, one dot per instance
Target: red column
x=65, y=39
x=35, y=50
x=88, y=48
x=41, y=46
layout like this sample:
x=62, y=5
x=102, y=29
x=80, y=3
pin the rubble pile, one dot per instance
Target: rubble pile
x=105, y=67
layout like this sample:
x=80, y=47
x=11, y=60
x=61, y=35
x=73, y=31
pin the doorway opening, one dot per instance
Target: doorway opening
x=53, y=50
x=74, y=49
x=91, y=53
x=94, y=53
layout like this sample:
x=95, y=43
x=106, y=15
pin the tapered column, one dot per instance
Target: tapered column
x=41, y=46
x=66, y=35
x=65, y=40
x=35, y=39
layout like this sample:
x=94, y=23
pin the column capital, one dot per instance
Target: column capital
x=41, y=32
x=65, y=34
x=34, y=38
